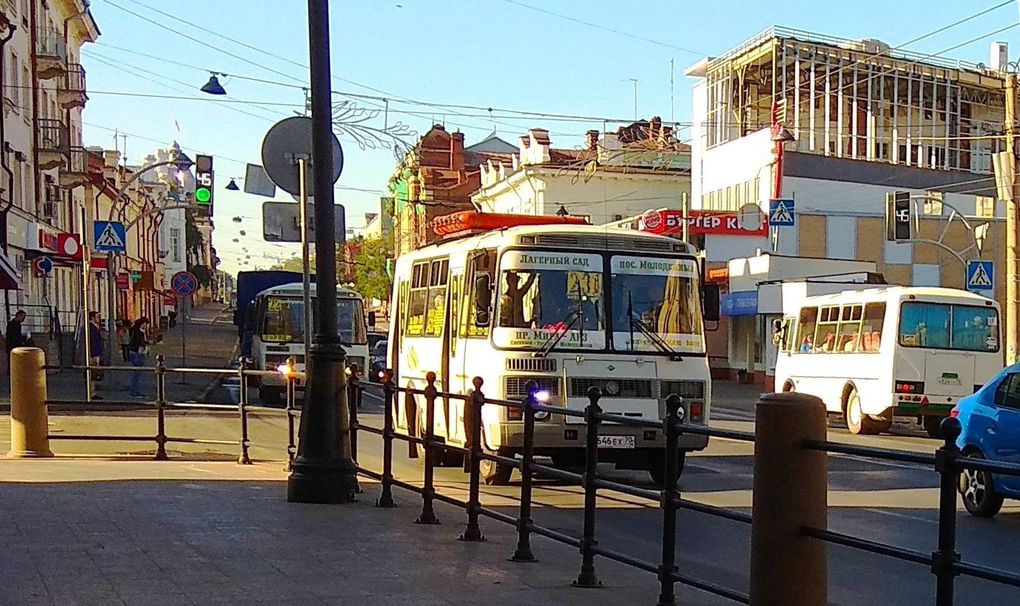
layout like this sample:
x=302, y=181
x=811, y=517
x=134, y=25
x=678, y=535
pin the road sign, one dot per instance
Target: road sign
x=286, y=142
x=980, y=276
x=781, y=213
x=42, y=266
x=110, y=236
x=281, y=222
x=184, y=283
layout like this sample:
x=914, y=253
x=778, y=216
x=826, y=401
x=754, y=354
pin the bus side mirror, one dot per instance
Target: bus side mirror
x=778, y=333
x=483, y=300
x=710, y=294
x=371, y=319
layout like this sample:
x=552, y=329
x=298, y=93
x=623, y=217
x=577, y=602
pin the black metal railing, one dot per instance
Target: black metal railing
x=668, y=497
x=74, y=79
x=949, y=462
x=53, y=136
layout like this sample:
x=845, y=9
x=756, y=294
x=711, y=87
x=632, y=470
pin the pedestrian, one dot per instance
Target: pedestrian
x=14, y=336
x=124, y=339
x=139, y=349
x=172, y=317
x=95, y=353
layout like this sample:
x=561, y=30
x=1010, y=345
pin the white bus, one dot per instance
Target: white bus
x=279, y=333
x=878, y=353
x=568, y=306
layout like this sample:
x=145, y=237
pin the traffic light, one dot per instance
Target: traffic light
x=204, y=180
x=898, y=217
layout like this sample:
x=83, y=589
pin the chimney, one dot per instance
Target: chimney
x=998, y=57
x=457, y=151
x=592, y=140
x=540, y=151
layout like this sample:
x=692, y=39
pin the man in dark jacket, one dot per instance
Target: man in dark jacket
x=95, y=353
x=14, y=337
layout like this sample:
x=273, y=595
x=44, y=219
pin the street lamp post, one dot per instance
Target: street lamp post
x=323, y=470
x=182, y=162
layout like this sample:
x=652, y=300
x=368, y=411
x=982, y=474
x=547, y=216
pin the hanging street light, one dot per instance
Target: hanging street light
x=213, y=86
x=232, y=186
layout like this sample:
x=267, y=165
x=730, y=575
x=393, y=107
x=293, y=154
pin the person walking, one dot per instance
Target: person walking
x=124, y=339
x=138, y=350
x=95, y=353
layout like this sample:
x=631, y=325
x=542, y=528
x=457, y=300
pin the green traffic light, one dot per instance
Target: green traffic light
x=203, y=195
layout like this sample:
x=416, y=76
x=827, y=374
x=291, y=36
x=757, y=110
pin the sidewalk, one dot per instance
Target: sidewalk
x=211, y=342
x=219, y=533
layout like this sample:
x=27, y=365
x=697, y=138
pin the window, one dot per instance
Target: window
x=479, y=263
x=806, y=329
x=417, y=299
x=1008, y=393
x=828, y=324
x=985, y=206
x=26, y=88
x=850, y=329
x=436, y=302
x=456, y=287
x=944, y=326
x=871, y=327
x=175, y=244
x=14, y=80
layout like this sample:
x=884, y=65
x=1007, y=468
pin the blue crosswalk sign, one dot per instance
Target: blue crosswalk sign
x=110, y=236
x=781, y=213
x=980, y=276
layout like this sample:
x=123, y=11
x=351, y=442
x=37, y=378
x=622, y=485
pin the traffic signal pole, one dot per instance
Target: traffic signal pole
x=1011, y=223
x=323, y=470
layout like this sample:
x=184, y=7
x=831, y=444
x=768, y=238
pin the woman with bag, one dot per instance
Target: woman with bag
x=138, y=351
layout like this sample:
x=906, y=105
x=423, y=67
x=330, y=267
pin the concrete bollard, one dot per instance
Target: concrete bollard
x=790, y=487
x=29, y=422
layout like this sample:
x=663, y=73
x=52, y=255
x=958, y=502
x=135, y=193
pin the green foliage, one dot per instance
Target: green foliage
x=370, y=268
x=202, y=273
x=294, y=264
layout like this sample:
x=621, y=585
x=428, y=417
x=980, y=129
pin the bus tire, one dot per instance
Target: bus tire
x=856, y=421
x=495, y=474
x=933, y=425
x=657, y=468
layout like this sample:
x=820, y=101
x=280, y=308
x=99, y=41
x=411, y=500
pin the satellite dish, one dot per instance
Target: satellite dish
x=750, y=217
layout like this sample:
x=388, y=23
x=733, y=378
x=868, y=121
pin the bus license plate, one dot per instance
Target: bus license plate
x=617, y=442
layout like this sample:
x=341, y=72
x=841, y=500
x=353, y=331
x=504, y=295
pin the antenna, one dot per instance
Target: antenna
x=672, y=104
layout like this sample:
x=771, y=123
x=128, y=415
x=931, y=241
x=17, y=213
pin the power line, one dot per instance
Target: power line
x=602, y=27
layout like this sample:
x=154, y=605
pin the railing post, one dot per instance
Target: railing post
x=788, y=567
x=160, y=409
x=945, y=557
x=472, y=532
x=353, y=403
x=389, y=392
x=670, y=499
x=592, y=417
x=428, y=491
x=291, y=396
x=242, y=407
x=523, y=552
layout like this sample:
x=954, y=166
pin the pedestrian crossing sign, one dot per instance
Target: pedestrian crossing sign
x=980, y=276
x=781, y=213
x=110, y=236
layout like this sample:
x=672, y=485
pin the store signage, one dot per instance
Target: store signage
x=700, y=222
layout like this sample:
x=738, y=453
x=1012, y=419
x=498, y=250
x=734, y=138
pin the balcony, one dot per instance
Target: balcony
x=72, y=91
x=51, y=54
x=75, y=171
x=54, y=149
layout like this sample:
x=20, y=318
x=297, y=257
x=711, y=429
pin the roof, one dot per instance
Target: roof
x=296, y=289
x=866, y=293
x=492, y=145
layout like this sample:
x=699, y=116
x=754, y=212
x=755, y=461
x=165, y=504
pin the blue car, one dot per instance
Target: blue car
x=991, y=430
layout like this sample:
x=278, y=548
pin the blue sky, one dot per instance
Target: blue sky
x=497, y=54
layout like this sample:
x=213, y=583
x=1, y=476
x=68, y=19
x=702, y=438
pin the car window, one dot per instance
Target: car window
x=380, y=348
x=1008, y=393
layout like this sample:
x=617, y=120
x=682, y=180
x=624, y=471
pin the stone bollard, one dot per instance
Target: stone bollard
x=29, y=423
x=790, y=488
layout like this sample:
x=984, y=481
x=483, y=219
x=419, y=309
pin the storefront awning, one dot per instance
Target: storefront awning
x=8, y=275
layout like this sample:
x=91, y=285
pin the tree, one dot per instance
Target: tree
x=294, y=264
x=195, y=242
x=370, y=273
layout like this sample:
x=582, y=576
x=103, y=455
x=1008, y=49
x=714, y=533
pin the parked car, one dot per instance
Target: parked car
x=373, y=338
x=990, y=420
x=378, y=365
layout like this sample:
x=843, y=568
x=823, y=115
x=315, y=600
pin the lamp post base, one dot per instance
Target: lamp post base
x=312, y=482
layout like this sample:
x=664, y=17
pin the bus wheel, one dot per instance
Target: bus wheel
x=657, y=468
x=495, y=474
x=856, y=421
x=933, y=425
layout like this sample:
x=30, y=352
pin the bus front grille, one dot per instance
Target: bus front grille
x=684, y=389
x=625, y=388
x=531, y=364
x=516, y=387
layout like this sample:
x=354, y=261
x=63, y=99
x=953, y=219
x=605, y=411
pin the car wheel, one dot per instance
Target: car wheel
x=657, y=468
x=495, y=474
x=978, y=491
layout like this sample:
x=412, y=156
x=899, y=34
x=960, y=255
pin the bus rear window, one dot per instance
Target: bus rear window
x=946, y=326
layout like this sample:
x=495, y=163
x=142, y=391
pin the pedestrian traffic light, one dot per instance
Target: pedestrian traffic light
x=204, y=180
x=898, y=217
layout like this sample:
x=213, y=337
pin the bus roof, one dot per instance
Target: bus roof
x=296, y=289
x=581, y=237
x=898, y=293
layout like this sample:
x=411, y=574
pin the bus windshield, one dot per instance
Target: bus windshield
x=949, y=326
x=284, y=320
x=656, y=299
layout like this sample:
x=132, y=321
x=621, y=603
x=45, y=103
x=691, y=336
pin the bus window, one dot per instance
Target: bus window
x=481, y=262
x=871, y=328
x=825, y=336
x=975, y=328
x=924, y=325
x=436, y=301
x=416, y=299
x=850, y=329
x=806, y=329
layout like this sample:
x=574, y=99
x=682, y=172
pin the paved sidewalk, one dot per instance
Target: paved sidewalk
x=189, y=540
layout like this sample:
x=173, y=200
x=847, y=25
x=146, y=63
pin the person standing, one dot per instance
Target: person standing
x=95, y=353
x=14, y=337
x=124, y=339
x=138, y=350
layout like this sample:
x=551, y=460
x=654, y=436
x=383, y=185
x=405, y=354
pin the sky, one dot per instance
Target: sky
x=569, y=57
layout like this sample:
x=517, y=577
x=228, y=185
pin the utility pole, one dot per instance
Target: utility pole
x=1011, y=221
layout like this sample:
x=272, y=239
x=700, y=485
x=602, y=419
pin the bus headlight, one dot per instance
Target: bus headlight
x=542, y=396
x=612, y=388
